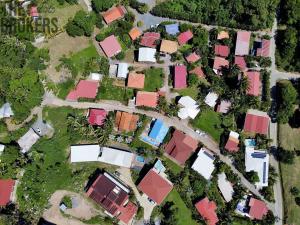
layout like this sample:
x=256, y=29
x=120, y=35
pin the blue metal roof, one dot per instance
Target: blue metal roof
x=172, y=29
x=159, y=131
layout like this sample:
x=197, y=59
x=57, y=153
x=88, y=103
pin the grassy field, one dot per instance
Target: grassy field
x=190, y=91
x=289, y=139
x=153, y=79
x=172, y=166
x=210, y=122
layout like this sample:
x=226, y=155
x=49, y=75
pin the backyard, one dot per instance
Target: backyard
x=153, y=79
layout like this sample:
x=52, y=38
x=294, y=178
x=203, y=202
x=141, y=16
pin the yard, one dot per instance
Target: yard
x=289, y=139
x=153, y=79
x=190, y=91
x=210, y=122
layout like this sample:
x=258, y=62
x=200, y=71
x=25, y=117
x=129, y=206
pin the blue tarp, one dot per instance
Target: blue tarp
x=172, y=29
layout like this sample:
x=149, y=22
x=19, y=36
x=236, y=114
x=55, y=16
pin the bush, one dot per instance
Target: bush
x=67, y=201
x=297, y=200
x=294, y=191
x=120, y=56
x=286, y=156
x=102, y=5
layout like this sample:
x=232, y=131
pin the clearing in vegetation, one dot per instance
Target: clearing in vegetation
x=153, y=79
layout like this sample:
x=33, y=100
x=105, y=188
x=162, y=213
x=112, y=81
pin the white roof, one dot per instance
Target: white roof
x=234, y=134
x=211, y=99
x=122, y=70
x=258, y=161
x=28, y=140
x=225, y=187
x=190, y=108
x=147, y=55
x=6, y=111
x=204, y=164
x=95, y=153
x=113, y=68
x=96, y=76
x=1, y=148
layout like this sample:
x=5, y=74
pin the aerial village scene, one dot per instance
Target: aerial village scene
x=139, y=112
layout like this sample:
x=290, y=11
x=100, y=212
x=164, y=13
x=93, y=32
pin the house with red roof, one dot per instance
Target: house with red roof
x=232, y=144
x=150, y=39
x=112, y=195
x=197, y=71
x=257, y=122
x=242, y=43
x=222, y=50
x=258, y=209
x=219, y=63
x=240, y=62
x=254, y=83
x=180, y=74
x=114, y=14
x=207, y=209
x=136, y=80
x=155, y=186
x=96, y=117
x=6, y=191
x=193, y=57
x=180, y=147
x=148, y=99
x=184, y=37
x=264, y=50
x=110, y=46
x=126, y=122
x=84, y=89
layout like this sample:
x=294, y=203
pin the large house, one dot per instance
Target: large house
x=156, y=134
x=207, y=209
x=242, y=43
x=180, y=75
x=112, y=195
x=204, y=164
x=114, y=14
x=6, y=191
x=256, y=122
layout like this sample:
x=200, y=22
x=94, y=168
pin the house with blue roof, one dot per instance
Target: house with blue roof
x=172, y=29
x=156, y=133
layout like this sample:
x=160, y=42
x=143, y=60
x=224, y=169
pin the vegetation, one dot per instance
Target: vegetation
x=67, y=201
x=139, y=6
x=82, y=24
x=153, y=79
x=102, y=5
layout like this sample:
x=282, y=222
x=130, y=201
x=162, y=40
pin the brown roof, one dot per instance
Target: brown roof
x=136, y=80
x=113, y=14
x=168, y=46
x=126, y=121
x=148, y=99
x=134, y=33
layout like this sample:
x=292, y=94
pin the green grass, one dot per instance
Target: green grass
x=210, y=122
x=153, y=79
x=171, y=165
x=64, y=88
x=98, y=220
x=190, y=91
x=108, y=91
x=241, y=221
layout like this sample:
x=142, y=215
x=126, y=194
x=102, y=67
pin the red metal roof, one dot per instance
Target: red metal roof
x=193, y=57
x=197, y=71
x=242, y=43
x=97, y=116
x=6, y=189
x=207, y=210
x=256, y=123
x=184, y=37
x=149, y=39
x=155, y=186
x=220, y=62
x=240, y=62
x=148, y=99
x=265, y=49
x=127, y=212
x=258, y=209
x=232, y=145
x=84, y=89
x=222, y=50
x=180, y=77
x=181, y=147
x=113, y=14
x=254, y=87
x=110, y=46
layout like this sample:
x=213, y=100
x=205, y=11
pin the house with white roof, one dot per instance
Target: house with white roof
x=122, y=70
x=2, y=147
x=258, y=161
x=113, y=68
x=190, y=108
x=204, y=164
x=147, y=55
x=225, y=187
x=6, y=111
x=28, y=140
x=211, y=99
x=96, y=153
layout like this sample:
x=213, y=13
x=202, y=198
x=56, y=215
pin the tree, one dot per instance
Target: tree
x=294, y=191
x=120, y=56
x=252, y=176
x=193, y=80
x=102, y=5
x=286, y=156
x=297, y=200
x=82, y=24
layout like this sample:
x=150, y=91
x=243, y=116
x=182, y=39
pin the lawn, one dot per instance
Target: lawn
x=153, y=79
x=171, y=165
x=210, y=122
x=190, y=91
x=64, y=88
x=289, y=139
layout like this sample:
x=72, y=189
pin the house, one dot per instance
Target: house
x=180, y=74
x=147, y=99
x=2, y=147
x=147, y=55
x=113, y=68
x=256, y=122
x=242, y=43
x=96, y=117
x=157, y=132
x=211, y=99
x=264, y=50
x=84, y=89
x=126, y=122
x=223, y=35
x=172, y=29
x=34, y=12
x=168, y=46
x=190, y=108
x=122, y=70
x=150, y=39
x=135, y=33
x=193, y=57
x=232, y=144
x=6, y=191
x=240, y=62
x=184, y=37
x=222, y=50
x=96, y=76
x=219, y=63
x=254, y=87
x=114, y=14
x=110, y=46
x=181, y=147
x=6, y=111
x=112, y=195
x=198, y=71
x=258, y=209
x=155, y=186
x=28, y=140
x=136, y=80
x=204, y=164
x=223, y=106
x=96, y=153
x=258, y=161
x=225, y=187
x=207, y=209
